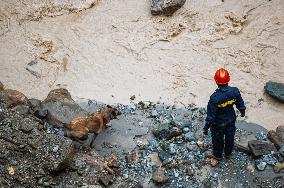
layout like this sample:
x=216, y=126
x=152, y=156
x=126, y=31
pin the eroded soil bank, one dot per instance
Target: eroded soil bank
x=112, y=49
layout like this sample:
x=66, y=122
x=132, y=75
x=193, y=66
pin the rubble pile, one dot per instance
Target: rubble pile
x=169, y=148
x=29, y=156
x=179, y=156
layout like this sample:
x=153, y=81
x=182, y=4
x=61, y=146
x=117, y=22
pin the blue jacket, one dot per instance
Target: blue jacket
x=220, y=108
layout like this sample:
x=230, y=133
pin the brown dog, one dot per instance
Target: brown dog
x=80, y=127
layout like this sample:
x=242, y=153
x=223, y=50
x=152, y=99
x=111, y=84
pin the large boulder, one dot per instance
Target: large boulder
x=275, y=89
x=14, y=98
x=259, y=148
x=62, y=109
x=277, y=137
x=166, y=7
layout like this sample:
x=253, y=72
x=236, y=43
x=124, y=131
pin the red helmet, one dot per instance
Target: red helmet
x=222, y=76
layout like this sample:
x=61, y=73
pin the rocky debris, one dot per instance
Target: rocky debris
x=61, y=108
x=14, y=98
x=166, y=7
x=176, y=155
x=259, y=148
x=29, y=151
x=276, y=90
x=159, y=176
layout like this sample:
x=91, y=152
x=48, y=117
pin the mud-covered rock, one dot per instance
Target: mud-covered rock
x=166, y=7
x=61, y=108
x=275, y=138
x=13, y=98
x=166, y=131
x=159, y=176
x=1, y=86
x=276, y=90
x=132, y=156
x=278, y=167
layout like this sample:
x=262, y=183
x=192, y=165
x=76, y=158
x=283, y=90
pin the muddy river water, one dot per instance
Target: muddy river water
x=108, y=50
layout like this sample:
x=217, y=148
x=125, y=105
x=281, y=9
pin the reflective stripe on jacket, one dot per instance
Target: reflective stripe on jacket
x=220, y=108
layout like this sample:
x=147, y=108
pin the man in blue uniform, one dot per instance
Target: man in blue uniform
x=221, y=116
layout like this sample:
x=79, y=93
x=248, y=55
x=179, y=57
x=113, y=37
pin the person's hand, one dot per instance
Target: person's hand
x=205, y=131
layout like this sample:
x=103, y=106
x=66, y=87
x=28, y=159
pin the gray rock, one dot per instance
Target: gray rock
x=22, y=109
x=171, y=148
x=61, y=108
x=185, y=130
x=190, y=136
x=269, y=159
x=26, y=125
x=161, y=131
x=153, y=144
x=36, y=104
x=166, y=7
x=56, y=162
x=281, y=150
x=154, y=113
x=275, y=89
x=242, y=148
x=165, y=157
x=41, y=113
x=182, y=123
x=261, y=166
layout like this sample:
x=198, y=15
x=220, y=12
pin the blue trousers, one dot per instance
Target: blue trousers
x=223, y=139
